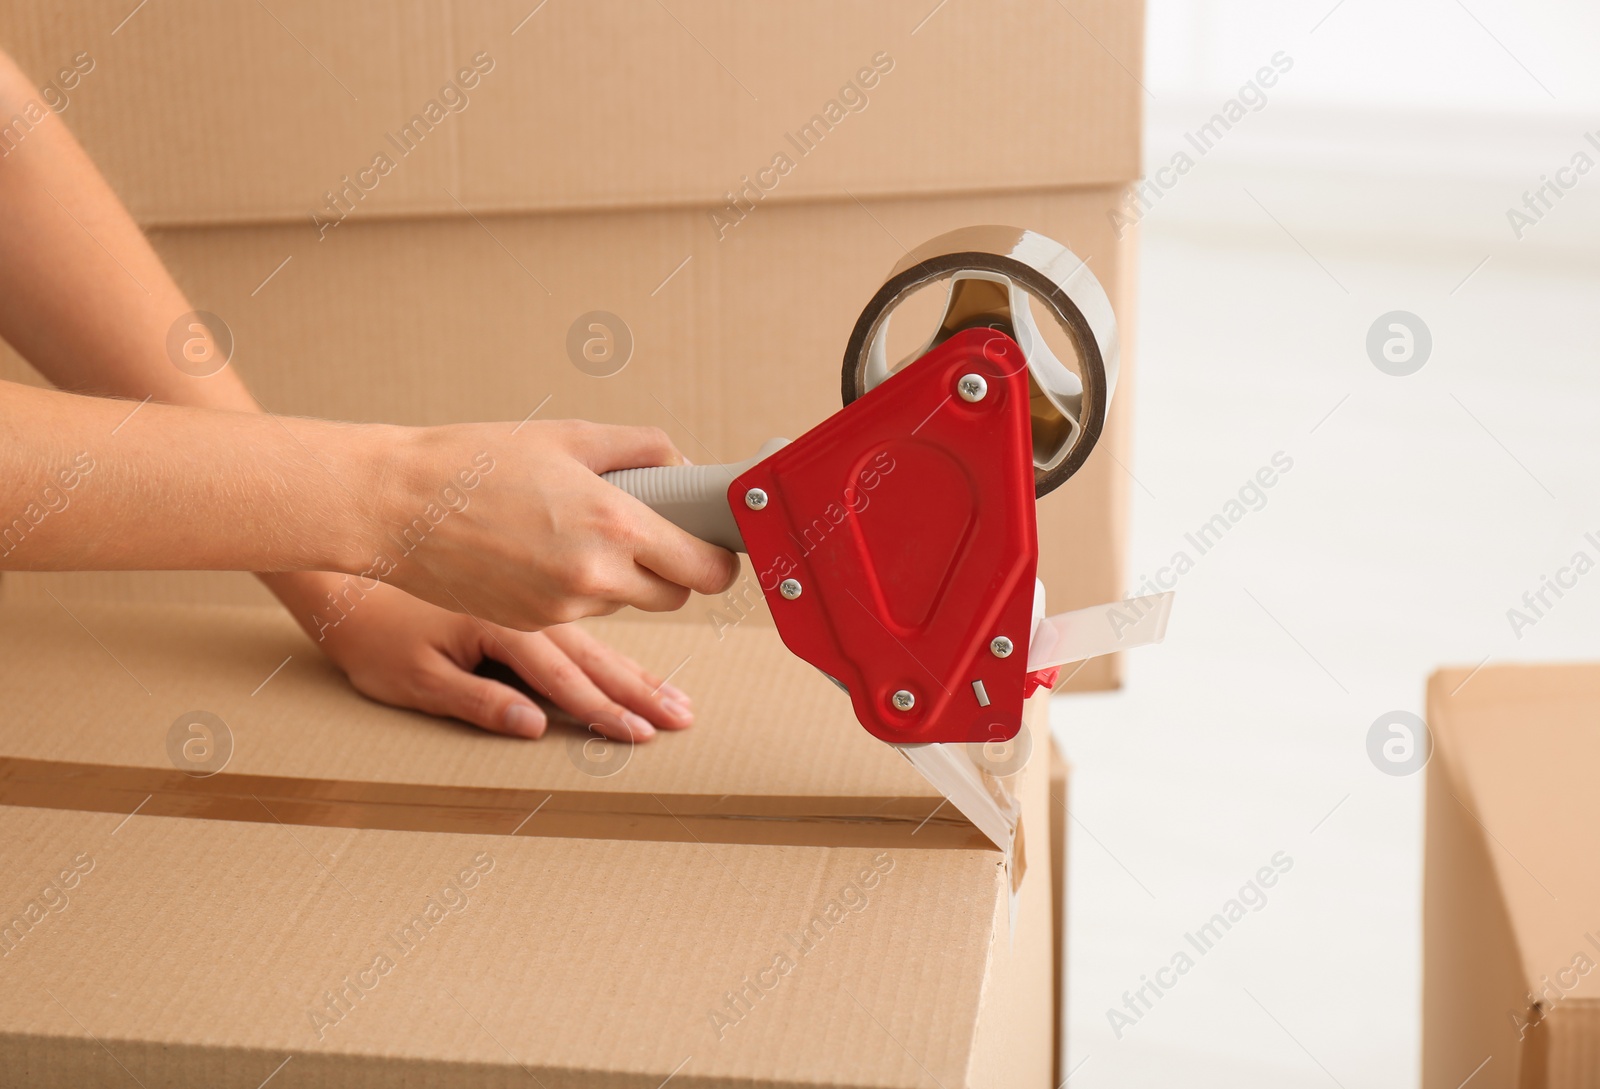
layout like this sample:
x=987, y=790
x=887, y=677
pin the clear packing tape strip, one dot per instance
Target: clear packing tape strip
x=984, y=788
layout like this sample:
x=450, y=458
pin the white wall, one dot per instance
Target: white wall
x=1384, y=55
x=1415, y=122
x=1418, y=512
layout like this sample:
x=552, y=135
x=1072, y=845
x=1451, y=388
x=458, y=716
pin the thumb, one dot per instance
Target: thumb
x=605, y=447
x=489, y=705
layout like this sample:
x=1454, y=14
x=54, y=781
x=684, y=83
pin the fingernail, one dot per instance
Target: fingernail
x=673, y=692
x=641, y=728
x=675, y=708
x=524, y=721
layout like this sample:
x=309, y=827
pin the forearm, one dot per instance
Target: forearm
x=96, y=484
x=83, y=296
x=70, y=240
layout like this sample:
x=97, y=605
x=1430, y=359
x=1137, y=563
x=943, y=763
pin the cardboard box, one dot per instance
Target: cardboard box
x=593, y=157
x=1511, y=905
x=366, y=895
x=250, y=113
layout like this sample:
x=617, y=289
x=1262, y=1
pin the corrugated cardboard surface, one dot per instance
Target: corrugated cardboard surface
x=223, y=111
x=432, y=321
x=198, y=952
x=104, y=683
x=187, y=951
x=1512, y=897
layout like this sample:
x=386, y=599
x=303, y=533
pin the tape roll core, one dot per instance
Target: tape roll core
x=1050, y=275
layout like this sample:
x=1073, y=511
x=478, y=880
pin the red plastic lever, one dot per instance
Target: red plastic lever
x=897, y=544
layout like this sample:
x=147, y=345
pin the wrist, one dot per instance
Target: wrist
x=331, y=608
x=362, y=469
x=388, y=458
x=367, y=467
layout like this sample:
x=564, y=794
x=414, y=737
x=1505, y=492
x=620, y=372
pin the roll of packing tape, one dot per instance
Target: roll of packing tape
x=996, y=275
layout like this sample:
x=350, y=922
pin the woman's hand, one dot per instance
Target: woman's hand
x=515, y=525
x=514, y=535
x=407, y=653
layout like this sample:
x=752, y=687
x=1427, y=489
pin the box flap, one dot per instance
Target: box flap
x=99, y=696
x=202, y=111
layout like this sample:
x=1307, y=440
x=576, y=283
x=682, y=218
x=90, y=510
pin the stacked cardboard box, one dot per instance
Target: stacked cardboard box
x=401, y=214
x=1511, y=911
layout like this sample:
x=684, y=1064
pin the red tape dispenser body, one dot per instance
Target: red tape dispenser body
x=896, y=544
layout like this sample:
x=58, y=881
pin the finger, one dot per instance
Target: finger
x=683, y=558
x=604, y=447
x=652, y=681
x=449, y=691
x=620, y=677
x=547, y=668
x=644, y=589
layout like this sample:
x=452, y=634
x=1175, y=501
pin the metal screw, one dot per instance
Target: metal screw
x=789, y=588
x=755, y=499
x=903, y=700
x=1000, y=647
x=972, y=387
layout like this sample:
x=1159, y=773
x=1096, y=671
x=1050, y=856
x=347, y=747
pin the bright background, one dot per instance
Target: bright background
x=1418, y=511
